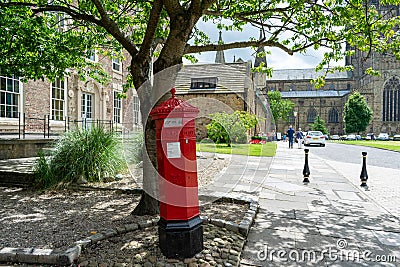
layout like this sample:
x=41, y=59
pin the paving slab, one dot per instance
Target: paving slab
x=329, y=211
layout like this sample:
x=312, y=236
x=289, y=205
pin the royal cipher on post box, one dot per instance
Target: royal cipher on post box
x=180, y=227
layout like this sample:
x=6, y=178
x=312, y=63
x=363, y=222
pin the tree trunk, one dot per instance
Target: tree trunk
x=150, y=95
x=148, y=204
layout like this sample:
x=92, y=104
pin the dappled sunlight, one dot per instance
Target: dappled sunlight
x=22, y=218
x=61, y=217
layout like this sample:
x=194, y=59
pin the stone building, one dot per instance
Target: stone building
x=382, y=94
x=221, y=87
x=52, y=107
x=327, y=102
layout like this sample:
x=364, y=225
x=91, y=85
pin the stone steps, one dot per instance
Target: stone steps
x=16, y=179
x=17, y=172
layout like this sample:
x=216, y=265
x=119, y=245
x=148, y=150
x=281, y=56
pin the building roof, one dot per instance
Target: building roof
x=305, y=74
x=316, y=93
x=232, y=77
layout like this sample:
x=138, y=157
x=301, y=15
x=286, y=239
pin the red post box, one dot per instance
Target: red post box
x=180, y=227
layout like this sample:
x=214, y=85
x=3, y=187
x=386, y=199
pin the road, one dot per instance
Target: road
x=383, y=168
x=352, y=154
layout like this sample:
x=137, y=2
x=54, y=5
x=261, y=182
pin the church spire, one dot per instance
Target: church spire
x=220, y=57
x=260, y=50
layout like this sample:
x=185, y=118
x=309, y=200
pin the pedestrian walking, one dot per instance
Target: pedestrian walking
x=300, y=137
x=290, y=135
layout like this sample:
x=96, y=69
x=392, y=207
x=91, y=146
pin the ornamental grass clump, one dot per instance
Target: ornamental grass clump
x=87, y=154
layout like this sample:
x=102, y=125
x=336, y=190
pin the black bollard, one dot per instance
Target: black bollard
x=364, y=175
x=306, y=169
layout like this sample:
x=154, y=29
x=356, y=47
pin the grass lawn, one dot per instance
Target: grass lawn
x=266, y=150
x=389, y=145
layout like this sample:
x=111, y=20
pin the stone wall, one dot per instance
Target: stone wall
x=10, y=149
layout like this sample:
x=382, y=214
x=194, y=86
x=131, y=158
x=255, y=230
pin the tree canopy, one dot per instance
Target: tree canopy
x=280, y=108
x=33, y=44
x=319, y=125
x=357, y=114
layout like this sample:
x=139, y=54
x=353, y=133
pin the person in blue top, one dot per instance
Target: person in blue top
x=290, y=134
x=299, y=137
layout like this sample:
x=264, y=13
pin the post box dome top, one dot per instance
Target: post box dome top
x=174, y=104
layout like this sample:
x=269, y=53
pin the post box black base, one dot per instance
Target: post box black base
x=180, y=239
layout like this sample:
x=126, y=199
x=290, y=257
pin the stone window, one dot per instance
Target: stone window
x=58, y=99
x=9, y=97
x=292, y=119
x=311, y=114
x=203, y=83
x=91, y=55
x=116, y=64
x=117, y=107
x=391, y=99
x=136, y=110
x=333, y=115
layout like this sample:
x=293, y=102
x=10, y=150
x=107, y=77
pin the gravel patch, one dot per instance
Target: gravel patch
x=55, y=220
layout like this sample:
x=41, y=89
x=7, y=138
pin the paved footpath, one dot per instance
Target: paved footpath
x=329, y=222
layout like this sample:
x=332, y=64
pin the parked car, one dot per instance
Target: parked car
x=314, y=137
x=351, y=137
x=383, y=137
x=358, y=137
x=396, y=137
x=335, y=137
x=343, y=137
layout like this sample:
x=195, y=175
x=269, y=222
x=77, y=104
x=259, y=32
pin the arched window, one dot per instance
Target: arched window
x=312, y=113
x=391, y=99
x=333, y=115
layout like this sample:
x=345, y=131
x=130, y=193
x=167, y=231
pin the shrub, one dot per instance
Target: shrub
x=91, y=154
x=230, y=128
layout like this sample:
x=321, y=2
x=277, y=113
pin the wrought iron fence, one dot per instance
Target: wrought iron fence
x=41, y=126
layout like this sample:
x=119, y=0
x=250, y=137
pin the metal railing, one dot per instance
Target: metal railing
x=41, y=126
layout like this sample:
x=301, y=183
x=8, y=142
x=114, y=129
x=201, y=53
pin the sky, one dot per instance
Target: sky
x=277, y=59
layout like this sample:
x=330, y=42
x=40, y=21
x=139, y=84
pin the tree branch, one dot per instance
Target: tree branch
x=173, y=8
x=105, y=22
x=219, y=47
x=151, y=29
x=112, y=28
x=247, y=14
